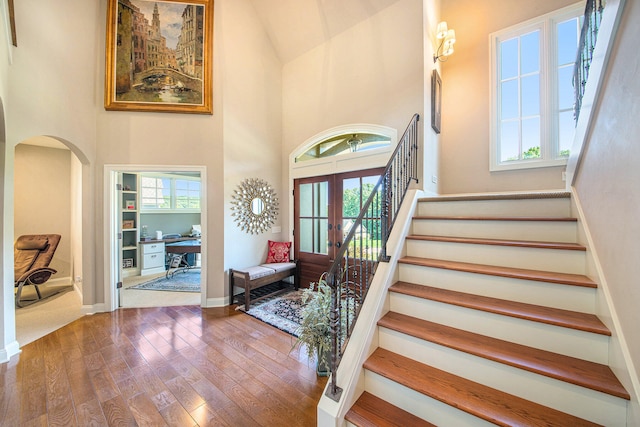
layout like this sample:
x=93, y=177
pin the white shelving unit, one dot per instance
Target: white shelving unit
x=129, y=224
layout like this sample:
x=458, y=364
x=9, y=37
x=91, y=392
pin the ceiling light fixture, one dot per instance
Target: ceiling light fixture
x=448, y=38
x=353, y=143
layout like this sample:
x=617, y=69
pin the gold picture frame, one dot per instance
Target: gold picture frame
x=159, y=66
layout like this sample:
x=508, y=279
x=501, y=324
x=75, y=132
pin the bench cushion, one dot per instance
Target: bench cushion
x=257, y=272
x=280, y=266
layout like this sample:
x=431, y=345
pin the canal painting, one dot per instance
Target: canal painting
x=159, y=56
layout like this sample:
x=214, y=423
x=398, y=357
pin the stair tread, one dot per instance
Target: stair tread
x=529, y=195
x=553, y=316
x=496, y=218
x=494, y=270
x=565, y=368
x=371, y=411
x=500, y=242
x=481, y=401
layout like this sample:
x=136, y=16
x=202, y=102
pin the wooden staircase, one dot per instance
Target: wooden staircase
x=491, y=322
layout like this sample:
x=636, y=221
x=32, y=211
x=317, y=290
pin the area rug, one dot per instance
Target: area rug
x=188, y=281
x=281, y=311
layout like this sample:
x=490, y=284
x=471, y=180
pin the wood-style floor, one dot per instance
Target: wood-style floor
x=176, y=366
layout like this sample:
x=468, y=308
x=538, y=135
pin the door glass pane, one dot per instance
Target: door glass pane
x=306, y=194
x=306, y=235
x=314, y=208
x=350, y=197
x=320, y=241
x=321, y=198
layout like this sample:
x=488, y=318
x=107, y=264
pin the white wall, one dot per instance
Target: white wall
x=466, y=100
x=607, y=182
x=42, y=198
x=252, y=125
x=371, y=73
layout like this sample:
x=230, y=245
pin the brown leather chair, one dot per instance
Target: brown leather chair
x=32, y=256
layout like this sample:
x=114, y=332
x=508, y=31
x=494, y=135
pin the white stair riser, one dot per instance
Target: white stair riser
x=557, y=260
x=583, y=345
x=418, y=404
x=497, y=208
x=567, y=297
x=541, y=231
x=582, y=402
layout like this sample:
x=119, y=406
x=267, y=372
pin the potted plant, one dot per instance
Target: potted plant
x=314, y=330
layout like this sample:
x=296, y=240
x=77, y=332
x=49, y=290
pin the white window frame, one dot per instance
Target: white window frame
x=549, y=144
x=172, y=193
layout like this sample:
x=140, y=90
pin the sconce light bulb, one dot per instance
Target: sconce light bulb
x=441, y=30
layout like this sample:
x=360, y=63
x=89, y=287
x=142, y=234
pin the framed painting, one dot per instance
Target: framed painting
x=159, y=56
x=436, y=101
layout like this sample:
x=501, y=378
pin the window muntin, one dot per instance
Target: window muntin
x=532, y=92
x=344, y=144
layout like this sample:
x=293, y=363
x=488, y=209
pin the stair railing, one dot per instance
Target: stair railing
x=365, y=245
x=588, y=36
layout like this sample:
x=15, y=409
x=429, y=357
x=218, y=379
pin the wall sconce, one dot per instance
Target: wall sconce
x=448, y=38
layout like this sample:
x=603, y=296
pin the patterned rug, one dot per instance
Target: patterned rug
x=281, y=311
x=188, y=281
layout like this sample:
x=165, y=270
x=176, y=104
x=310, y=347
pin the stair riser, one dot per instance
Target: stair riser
x=585, y=403
x=541, y=231
x=584, y=345
x=562, y=261
x=576, y=298
x=418, y=404
x=498, y=208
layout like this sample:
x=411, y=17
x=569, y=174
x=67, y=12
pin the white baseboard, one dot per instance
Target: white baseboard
x=9, y=351
x=94, y=308
x=216, y=302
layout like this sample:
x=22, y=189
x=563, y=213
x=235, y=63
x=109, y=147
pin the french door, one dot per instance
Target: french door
x=324, y=209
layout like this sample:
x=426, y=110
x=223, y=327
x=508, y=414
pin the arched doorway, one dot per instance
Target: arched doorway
x=47, y=195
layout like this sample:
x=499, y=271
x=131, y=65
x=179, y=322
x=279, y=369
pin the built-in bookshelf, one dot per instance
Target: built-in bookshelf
x=130, y=224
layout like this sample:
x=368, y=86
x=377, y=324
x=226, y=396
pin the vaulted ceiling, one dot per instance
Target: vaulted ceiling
x=297, y=26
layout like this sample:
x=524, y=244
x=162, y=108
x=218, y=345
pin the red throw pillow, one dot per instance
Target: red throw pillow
x=278, y=252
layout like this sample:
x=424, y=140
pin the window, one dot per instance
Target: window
x=532, y=92
x=169, y=193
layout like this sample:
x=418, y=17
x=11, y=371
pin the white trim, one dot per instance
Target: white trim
x=9, y=351
x=110, y=228
x=611, y=17
x=549, y=145
x=631, y=373
x=7, y=26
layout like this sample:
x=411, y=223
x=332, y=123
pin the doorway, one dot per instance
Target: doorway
x=325, y=208
x=152, y=208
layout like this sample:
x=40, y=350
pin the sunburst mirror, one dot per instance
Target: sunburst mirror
x=254, y=206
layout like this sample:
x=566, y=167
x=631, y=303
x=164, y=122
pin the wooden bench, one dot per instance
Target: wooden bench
x=261, y=275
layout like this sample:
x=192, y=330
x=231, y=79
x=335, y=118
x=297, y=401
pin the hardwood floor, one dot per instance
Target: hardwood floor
x=176, y=366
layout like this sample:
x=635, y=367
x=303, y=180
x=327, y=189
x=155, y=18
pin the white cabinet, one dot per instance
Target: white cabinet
x=152, y=258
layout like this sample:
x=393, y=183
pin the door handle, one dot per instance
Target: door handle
x=338, y=227
x=330, y=226
x=330, y=243
x=338, y=244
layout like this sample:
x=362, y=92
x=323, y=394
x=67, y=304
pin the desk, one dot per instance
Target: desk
x=177, y=252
